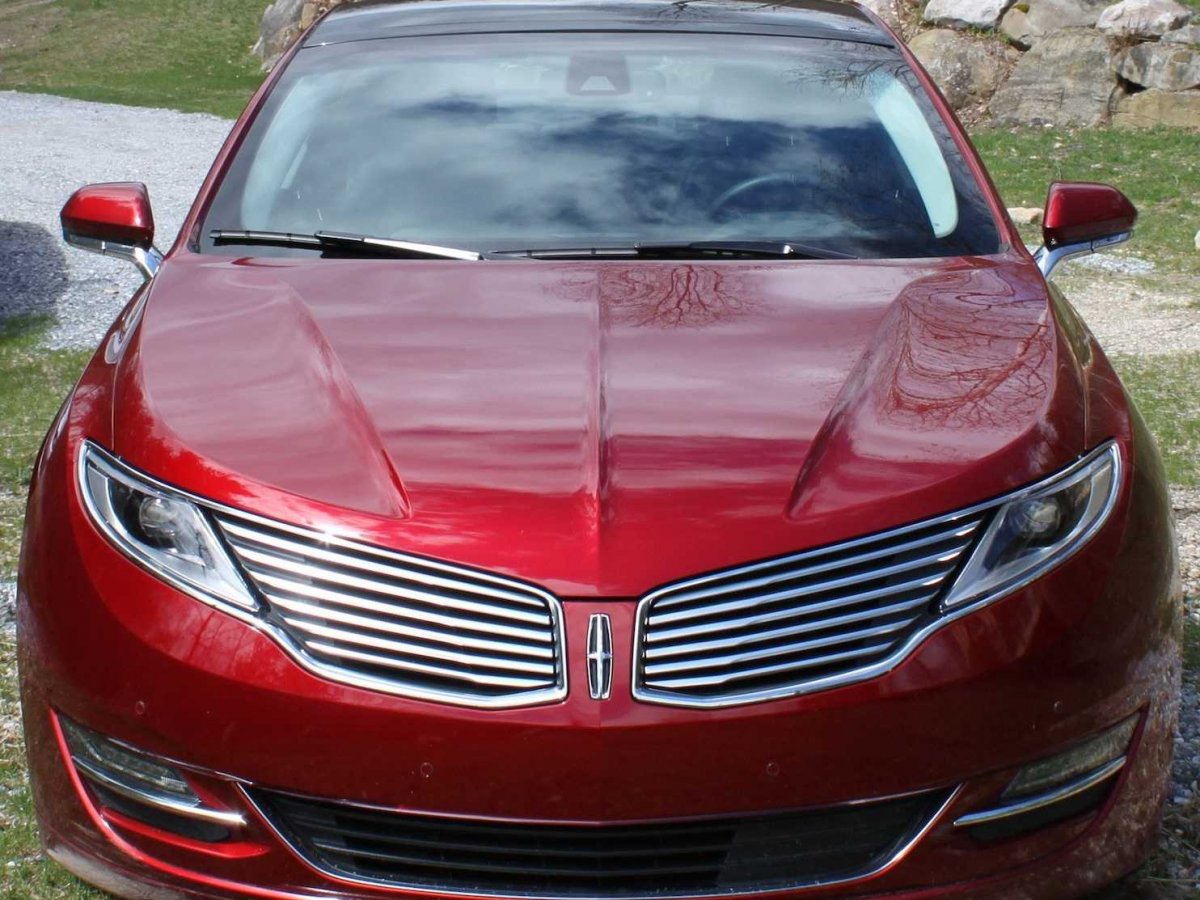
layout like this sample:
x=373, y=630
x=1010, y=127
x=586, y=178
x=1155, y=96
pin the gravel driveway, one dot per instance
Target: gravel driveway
x=50, y=146
x=1126, y=316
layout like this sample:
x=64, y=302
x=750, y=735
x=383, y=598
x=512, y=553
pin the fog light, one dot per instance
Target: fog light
x=1055, y=788
x=142, y=787
x=1071, y=764
x=110, y=762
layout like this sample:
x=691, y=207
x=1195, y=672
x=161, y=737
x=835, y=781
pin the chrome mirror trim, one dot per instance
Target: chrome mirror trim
x=1047, y=260
x=146, y=260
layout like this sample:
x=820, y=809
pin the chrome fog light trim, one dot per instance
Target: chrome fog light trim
x=1087, y=756
x=1054, y=779
x=137, y=776
x=1041, y=801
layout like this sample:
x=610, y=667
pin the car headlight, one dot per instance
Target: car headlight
x=1038, y=528
x=161, y=529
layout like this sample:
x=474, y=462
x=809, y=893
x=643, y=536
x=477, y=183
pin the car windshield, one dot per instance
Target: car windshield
x=542, y=141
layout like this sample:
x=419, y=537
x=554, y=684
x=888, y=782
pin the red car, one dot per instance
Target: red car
x=598, y=450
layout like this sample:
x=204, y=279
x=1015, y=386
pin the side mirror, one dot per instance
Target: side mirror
x=113, y=220
x=1082, y=218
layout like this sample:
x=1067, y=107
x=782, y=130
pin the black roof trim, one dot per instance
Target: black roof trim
x=376, y=19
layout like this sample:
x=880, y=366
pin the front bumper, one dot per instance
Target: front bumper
x=110, y=647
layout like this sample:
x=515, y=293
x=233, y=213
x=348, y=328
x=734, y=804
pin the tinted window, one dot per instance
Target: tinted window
x=592, y=140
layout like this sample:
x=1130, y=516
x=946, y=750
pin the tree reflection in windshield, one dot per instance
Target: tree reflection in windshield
x=581, y=140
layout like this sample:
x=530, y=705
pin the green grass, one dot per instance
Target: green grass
x=1167, y=391
x=1191, y=645
x=24, y=872
x=191, y=55
x=1159, y=170
x=33, y=383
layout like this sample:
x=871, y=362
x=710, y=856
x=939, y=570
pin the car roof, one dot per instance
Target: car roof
x=376, y=19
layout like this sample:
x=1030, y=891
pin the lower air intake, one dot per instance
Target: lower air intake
x=690, y=858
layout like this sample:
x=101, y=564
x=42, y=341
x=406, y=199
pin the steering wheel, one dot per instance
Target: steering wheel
x=745, y=186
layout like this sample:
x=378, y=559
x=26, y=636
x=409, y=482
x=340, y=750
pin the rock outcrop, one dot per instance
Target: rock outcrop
x=1143, y=18
x=1016, y=28
x=967, y=71
x=1132, y=63
x=966, y=13
x=1066, y=79
x=1167, y=67
x=1048, y=16
x=1150, y=108
x=1188, y=34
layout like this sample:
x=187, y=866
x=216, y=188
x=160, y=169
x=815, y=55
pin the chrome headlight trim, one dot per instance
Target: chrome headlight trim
x=257, y=617
x=1102, y=471
x=98, y=472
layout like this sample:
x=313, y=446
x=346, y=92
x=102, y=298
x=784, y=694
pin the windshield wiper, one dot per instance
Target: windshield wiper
x=685, y=249
x=742, y=248
x=359, y=244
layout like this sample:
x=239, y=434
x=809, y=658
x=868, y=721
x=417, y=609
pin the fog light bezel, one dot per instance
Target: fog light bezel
x=1031, y=802
x=178, y=810
x=1075, y=762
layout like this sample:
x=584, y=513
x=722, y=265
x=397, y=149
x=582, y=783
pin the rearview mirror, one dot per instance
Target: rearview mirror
x=113, y=220
x=1082, y=218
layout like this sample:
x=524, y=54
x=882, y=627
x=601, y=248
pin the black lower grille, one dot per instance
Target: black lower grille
x=714, y=856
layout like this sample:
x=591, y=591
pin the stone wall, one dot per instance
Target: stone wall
x=1132, y=64
x=1135, y=63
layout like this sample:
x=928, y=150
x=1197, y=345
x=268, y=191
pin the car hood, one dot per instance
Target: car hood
x=598, y=428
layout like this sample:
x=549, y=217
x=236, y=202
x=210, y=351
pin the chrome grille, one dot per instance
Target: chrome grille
x=803, y=623
x=386, y=621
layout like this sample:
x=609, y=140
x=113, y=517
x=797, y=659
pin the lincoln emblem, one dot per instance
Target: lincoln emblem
x=600, y=656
